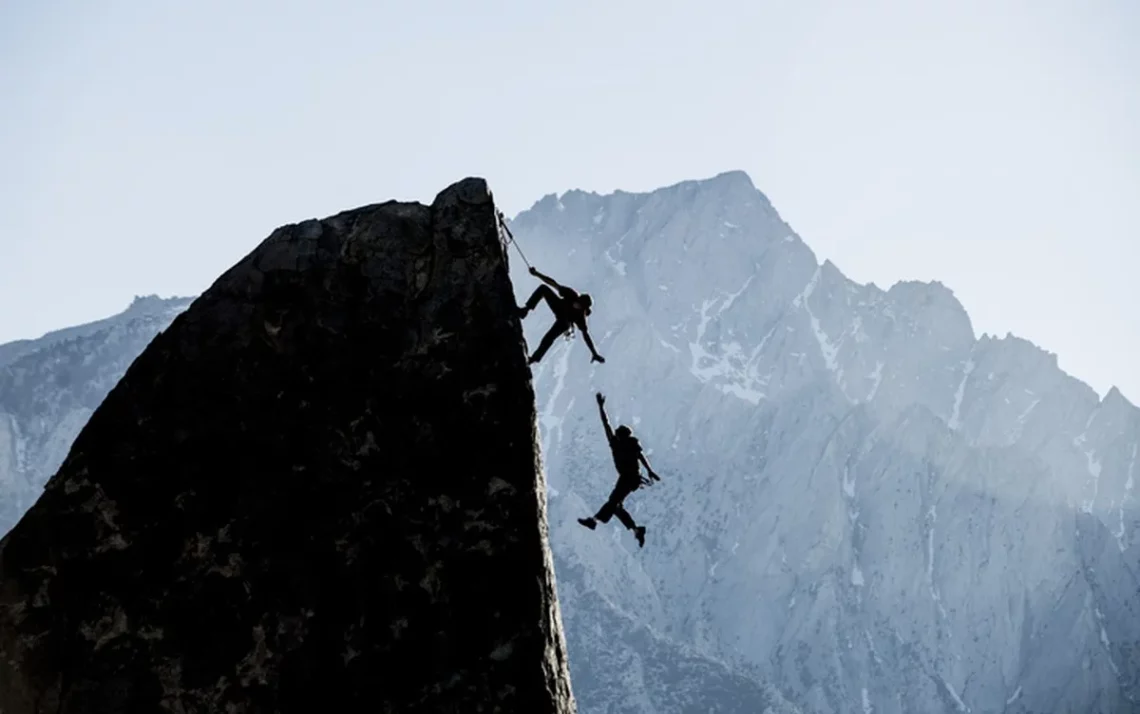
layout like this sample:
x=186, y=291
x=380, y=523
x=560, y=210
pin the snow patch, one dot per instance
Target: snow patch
x=1025, y=414
x=867, y=709
x=1128, y=484
x=618, y=265
x=730, y=373
x=856, y=576
x=848, y=485
x=550, y=422
x=877, y=376
x=826, y=348
x=1104, y=640
x=732, y=297
x=871, y=647
x=1015, y=696
x=21, y=445
x=955, y=416
x=1092, y=463
x=932, y=514
x=954, y=695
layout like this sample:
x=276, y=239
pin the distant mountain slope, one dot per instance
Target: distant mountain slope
x=49, y=387
x=862, y=502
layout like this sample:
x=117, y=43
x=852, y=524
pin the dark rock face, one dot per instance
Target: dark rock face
x=317, y=491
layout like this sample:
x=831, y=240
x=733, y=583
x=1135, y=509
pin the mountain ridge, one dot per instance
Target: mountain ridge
x=826, y=446
x=753, y=368
x=934, y=289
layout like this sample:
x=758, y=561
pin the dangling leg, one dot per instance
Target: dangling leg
x=627, y=521
x=548, y=339
x=610, y=507
x=606, y=512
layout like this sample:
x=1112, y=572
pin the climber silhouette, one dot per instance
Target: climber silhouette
x=627, y=458
x=570, y=310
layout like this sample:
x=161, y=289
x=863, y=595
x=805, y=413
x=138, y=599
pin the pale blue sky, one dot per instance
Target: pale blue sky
x=993, y=145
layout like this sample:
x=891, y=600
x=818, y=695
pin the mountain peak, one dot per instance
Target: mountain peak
x=927, y=290
x=733, y=178
x=1115, y=398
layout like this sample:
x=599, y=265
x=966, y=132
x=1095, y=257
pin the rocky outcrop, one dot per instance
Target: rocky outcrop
x=318, y=490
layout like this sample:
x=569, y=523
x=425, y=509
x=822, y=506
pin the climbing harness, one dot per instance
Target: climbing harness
x=506, y=236
x=511, y=238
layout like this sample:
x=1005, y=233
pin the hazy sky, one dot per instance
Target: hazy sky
x=990, y=144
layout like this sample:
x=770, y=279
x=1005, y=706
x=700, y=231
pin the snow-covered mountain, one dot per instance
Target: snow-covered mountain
x=862, y=503
x=51, y=385
x=864, y=508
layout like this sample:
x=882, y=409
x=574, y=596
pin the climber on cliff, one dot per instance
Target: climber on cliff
x=570, y=310
x=628, y=458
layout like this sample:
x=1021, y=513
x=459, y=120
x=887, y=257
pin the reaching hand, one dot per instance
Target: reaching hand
x=646, y=482
x=598, y=358
x=533, y=270
x=601, y=399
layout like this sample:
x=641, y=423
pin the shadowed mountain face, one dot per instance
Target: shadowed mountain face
x=318, y=490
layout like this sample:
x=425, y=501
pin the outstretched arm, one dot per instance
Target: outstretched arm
x=545, y=278
x=590, y=343
x=605, y=421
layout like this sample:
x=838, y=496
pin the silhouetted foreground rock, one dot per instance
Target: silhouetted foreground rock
x=318, y=491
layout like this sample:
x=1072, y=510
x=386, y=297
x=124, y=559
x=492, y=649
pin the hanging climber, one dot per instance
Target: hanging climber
x=628, y=458
x=570, y=309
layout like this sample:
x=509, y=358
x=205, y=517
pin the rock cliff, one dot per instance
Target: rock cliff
x=318, y=490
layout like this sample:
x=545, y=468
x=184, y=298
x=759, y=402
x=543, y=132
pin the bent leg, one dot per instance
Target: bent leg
x=542, y=292
x=624, y=517
x=613, y=504
x=606, y=512
x=555, y=331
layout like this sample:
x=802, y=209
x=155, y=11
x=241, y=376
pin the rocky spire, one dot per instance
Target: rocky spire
x=318, y=490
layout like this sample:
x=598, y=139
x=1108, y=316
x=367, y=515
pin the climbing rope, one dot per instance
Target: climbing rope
x=506, y=236
x=511, y=238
